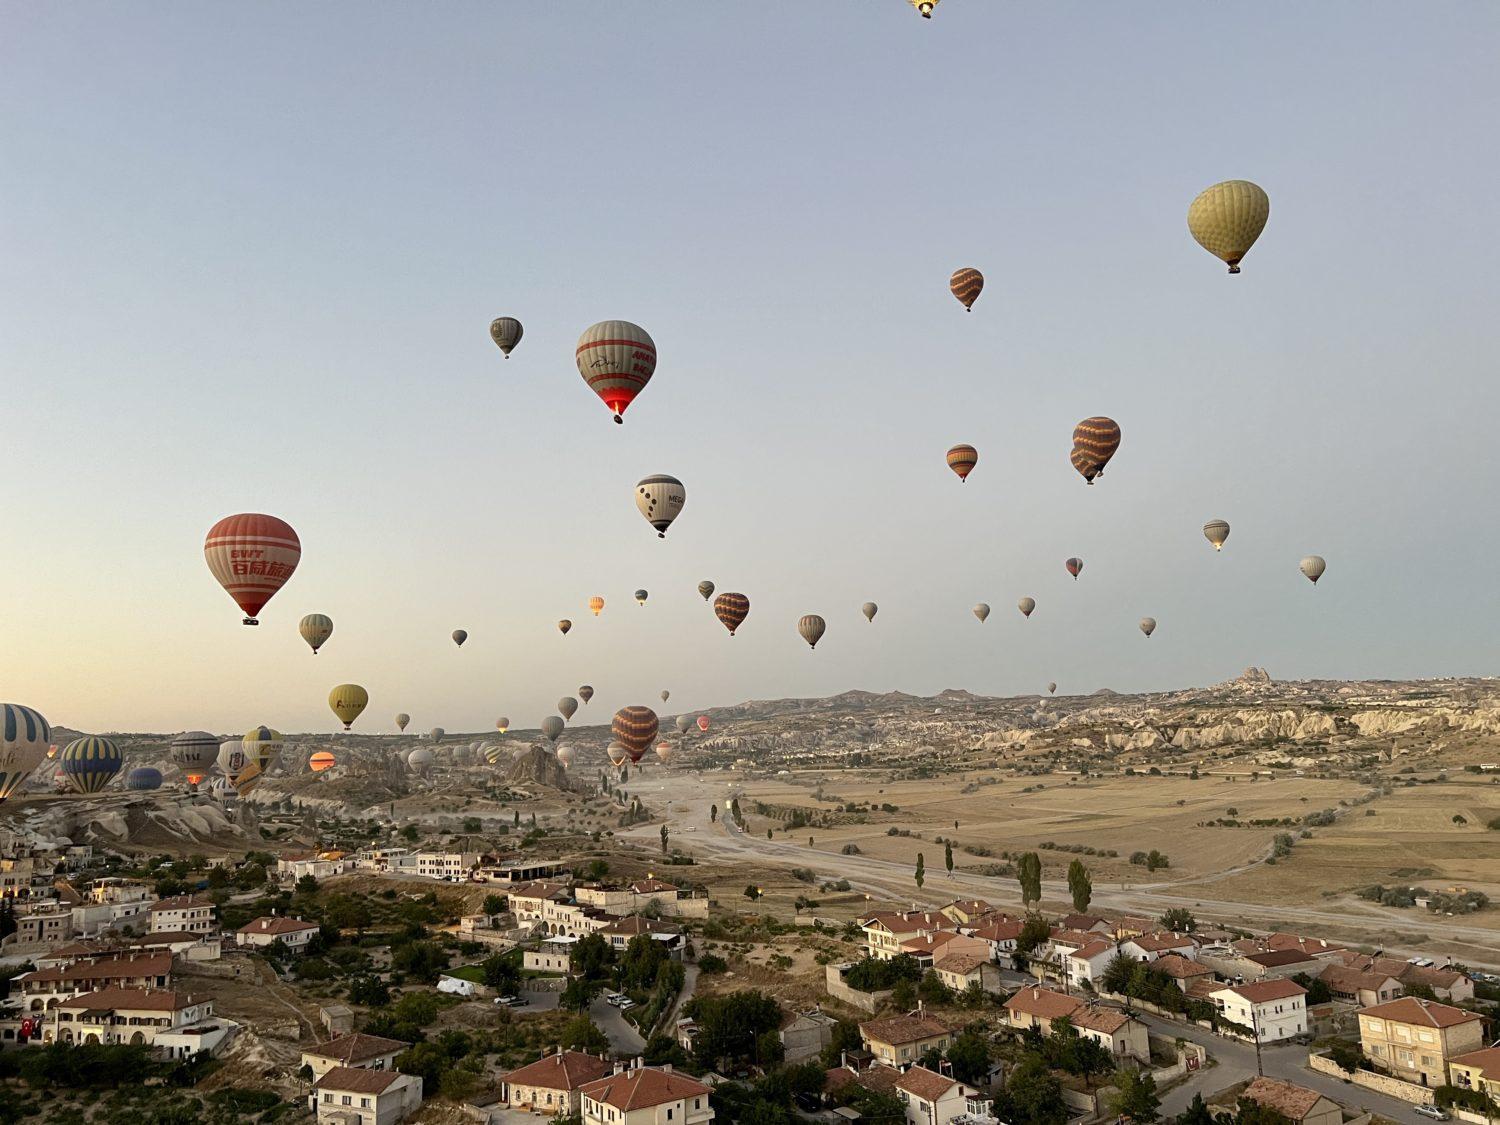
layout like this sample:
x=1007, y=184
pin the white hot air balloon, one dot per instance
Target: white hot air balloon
x=1216, y=531
x=660, y=499
x=869, y=609
x=981, y=611
x=1148, y=625
x=1026, y=605
x=1313, y=566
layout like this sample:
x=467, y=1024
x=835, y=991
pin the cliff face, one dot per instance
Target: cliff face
x=535, y=765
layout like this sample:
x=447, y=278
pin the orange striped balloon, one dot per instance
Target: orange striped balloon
x=962, y=459
x=732, y=609
x=1094, y=443
x=252, y=555
x=635, y=729
x=966, y=284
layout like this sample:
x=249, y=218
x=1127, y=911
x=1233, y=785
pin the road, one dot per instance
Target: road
x=1236, y=1063
x=624, y=1040
x=684, y=800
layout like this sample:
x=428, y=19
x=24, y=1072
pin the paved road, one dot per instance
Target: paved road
x=684, y=800
x=624, y=1040
x=1236, y=1063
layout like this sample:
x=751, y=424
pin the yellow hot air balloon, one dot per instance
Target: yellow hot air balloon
x=347, y=701
x=1227, y=218
x=596, y=603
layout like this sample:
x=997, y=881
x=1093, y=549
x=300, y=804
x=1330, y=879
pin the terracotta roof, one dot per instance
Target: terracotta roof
x=538, y=890
x=130, y=1000
x=902, y=1029
x=1002, y=929
x=1106, y=1021
x=970, y=906
x=357, y=1048
x=643, y=1087
x=960, y=962
x=566, y=1071
x=648, y=886
x=1042, y=1002
x=929, y=943
x=1486, y=1061
x=1431, y=977
x=276, y=924
x=1343, y=978
x=1427, y=1013
x=181, y=902
x=1277, y=958
x=357, y=1080
x=925, y=1084
x=1262, y=990
x=144, y=965
x=1075, y=938
x=165, y=937
x=1092, y=949
x=1082, y=921
x=1202, y=988
x=1161, y=942
x=880, y=1078
x=83, y=949
x=1291, y=1101
x=1304, y=944
x=1178, y=967
x=908, y=922
x=836, y=1079
x=635, y=925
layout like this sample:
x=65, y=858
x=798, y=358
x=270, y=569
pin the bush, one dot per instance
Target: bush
x=712, y=964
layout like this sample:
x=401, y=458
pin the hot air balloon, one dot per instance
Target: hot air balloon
x=811, y=627
x=665, y=695
x=551, y=727
x=869, y=609
x=1216, y=531
x=1313, y=566
x=1227, y=218
x=981, y=611
x=436, y=734
x=660, y=499
x=966, y=284
x=962, y=459
x=683, y=723
x=89, y=764
x=263, y=745
x=506, y=332
x=347, y=701
x=706, y=588
x=194, y=752
x=502, y=724
x=617, y=754
x=635, y=729
x=565, y=756
x=616, y=359
x=703, y=723
x=596, y=603
x=320, y=761
x=1075, y=567
x=239, y=766
x=419, y=760
x=1026, y=605
x=664, y=752
x=252, y=556
x=460, y=636
x=567, y=706
x=563, y=626
x=1148, y=625
x=222, y=790
x=641, y=596
x=585, y=693
x=492, y=754
x=1052, y=687
x=732, y=609
x=1094, y=443
x=401, y=720
x=143, y=779
x=316, y=628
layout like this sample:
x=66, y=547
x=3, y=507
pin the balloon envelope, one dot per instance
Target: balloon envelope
x=703, y=723
x=89, y=764
x=552, y=726
x=641, y=596
x=1095, y=441
x=596, y=603
x=1026, y=605
x=1148, y=625
x=585, y=693
x=664, y=751
x=1075, y=567
x=1051, y=688
x=347, y=702
x=811, y=628
x=1216, y=531
x=320, y=761
x=143, y=778
x=460, y=636
x=706, y=589
x=419, y=760
x=616, y=359
x=966, y=283
x=1227, y=218
x=567, y=706
x=962, y=459
x=665, y=695
x=617, y=753
x=401, y=720
x=252, y=555
x=565, y=756
x=981, y=611
x=732, y=609
x=635, y=729
x=436, y=734
x=316, y=628
x=660, y=499
x=502, y=724
x=506, y=332
x=683, y=723
x=194, y=752
x=1313, y=566
x=869, y=609
x=563, y=626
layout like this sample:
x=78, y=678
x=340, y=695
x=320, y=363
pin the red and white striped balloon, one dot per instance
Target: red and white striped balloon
x=252, y=556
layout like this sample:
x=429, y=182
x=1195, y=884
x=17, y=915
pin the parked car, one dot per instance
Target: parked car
x=1432, y=1111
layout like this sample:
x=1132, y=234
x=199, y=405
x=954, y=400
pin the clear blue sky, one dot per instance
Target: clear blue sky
x=249, y=253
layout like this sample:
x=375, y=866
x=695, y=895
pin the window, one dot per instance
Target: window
x=348, y=1100
x=327, y=1098
x=669, y=1115
x=364, y=1103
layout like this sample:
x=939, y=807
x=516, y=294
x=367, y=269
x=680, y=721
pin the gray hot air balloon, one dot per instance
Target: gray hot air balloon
x=641, y=596
x=1052, y=687
x=552, y=726
x=869, y=609
x=665, y=695
x=684, y=724
x=419, y=760
x=506, y=332
x=567, y=706
x=436, y=734
x=1148, y=625
x=460, y=636
x=812, y=627
x=585, y=693
x=401, y=720
x=706, y=588
x=1216, y=531
x=981, y=611
x=1026, y=605
x=1313, y=566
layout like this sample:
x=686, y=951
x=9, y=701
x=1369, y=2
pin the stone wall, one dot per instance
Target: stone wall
x=833, y=981
x=1380, y=1083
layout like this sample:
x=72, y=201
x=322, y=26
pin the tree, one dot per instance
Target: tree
x=970, y=1057
x=1253, y=1113
x=1034, y=1094
x=730, y=1026
x=663, y=839
x=1029, y=875
x=592, y=957
x=1116, y=976
x=501, y=974
x=421, y=960
x=713, y=814
x=768, y=833
x=494, y=904
x=369, y=991
x=920, y=875
x=581, y=1034
x=752, y=892
x=1034, y=931
x=932, y=990
x=306, y=885
x=1135, y=1096
x=409, y=833
x=348, y=913
x=1179, y=920
x=579, y=993
x=948, y=856
x=515, y=820
x=1197, y=1113
x=1080, y=886
x=904, y=995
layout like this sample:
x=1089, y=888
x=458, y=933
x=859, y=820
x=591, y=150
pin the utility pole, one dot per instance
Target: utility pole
x=1255, y=1031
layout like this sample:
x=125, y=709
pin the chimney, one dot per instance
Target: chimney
x=666, y=1068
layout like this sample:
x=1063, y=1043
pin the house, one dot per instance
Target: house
x=353, y=1096
x=1268, y=1009
x=805, y=1034
x=1297, y=1104
x=554, y=955
x=43, y=927
x=1038, y=1007
x=962, y=969
x=964, y=911
x=1359, y=986
x=622, y=931
x=901, y=1040
x=294, y=933
x=886, y=931
x=1000, y=934
x=1447, y=984
x=451, y=867
x=646, y=1095
x=44, y=988
x=193, y=914
x=173, y=1024
x=361, y=1051
x=1149, y=947
x=926, y=947
x=1477, y=1070
x=931, y=1098
x=1119, y=1033
x=190, y=946
x=1182, y=970
x=552, y=1085
x=1088, y=923
x=1272, y=943
x=1088, y=962
x=1236, y=965
x=1414, y=1039
x=324, y=865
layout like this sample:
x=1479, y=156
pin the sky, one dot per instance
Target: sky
x=249, y=255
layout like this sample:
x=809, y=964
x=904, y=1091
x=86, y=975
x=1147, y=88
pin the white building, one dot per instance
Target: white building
x=294, y=933
x=448, y=866
x=930, y=1098
x=173, y=1024
x=183, y=914
x=322, y=866
x=554, y=956
x=646, y=1095
x=1272, y=1009
x=357, y=1050
x=354, y=1096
